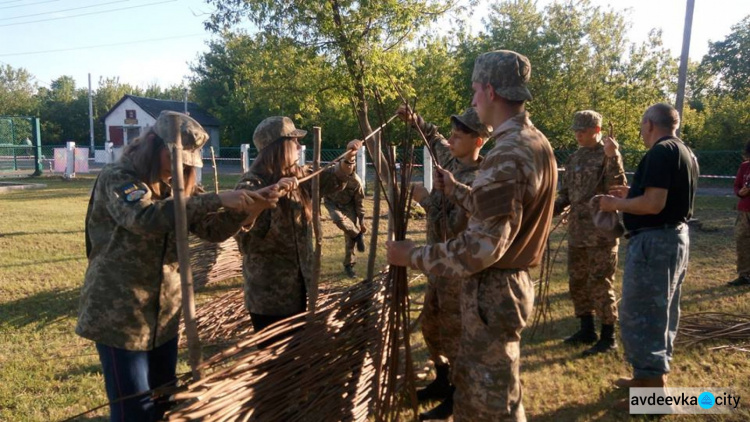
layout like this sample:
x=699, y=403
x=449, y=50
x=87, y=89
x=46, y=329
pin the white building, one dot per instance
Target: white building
x=126, y=119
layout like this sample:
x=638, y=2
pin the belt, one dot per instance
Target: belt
x=635, y=232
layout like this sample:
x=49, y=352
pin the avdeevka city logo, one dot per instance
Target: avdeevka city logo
x=706, y=400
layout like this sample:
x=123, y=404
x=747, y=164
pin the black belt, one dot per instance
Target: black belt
x=632, y=233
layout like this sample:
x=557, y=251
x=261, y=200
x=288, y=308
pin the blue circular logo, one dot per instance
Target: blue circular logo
x=706, y=400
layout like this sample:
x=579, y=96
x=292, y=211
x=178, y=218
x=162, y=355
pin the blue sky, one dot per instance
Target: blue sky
x=152, y=41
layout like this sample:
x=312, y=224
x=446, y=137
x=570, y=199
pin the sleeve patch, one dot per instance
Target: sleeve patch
x=494, y=201
x=132, y=192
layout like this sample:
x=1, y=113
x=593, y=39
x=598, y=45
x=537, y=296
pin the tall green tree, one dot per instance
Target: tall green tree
x=729, y=60
x=361, y=39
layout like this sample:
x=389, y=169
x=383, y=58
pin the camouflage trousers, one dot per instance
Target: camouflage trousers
x=655, y=268
x=441, y=319
x=347, y=223
x=742, y=238
x=591, y=280
x=495, y=305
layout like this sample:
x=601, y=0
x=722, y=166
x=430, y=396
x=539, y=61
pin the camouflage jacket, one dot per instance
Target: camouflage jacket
x=458, y=218
x=350, y=200
x=586, y=175
x=510, y=206
x=131, y=296
x=277, y=250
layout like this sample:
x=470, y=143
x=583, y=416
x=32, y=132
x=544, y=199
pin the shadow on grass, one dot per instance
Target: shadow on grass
x=600, y=410
x=37, y=263
x=42, y=309
x=14, y=234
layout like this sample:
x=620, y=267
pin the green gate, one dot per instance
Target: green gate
x=20, y=145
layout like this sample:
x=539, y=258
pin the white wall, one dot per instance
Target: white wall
x=117, y=118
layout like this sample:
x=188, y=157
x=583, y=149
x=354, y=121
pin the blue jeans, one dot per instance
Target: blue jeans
x=655, y=268
x=129, y=372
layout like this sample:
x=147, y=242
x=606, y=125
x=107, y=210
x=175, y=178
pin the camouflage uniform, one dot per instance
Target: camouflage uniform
x=510, y=205
x=348, y=213
x=441, y=324
x=277, y=250
x=131, y=296
x=592, y=256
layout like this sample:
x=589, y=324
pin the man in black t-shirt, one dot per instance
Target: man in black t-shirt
x=655, y=210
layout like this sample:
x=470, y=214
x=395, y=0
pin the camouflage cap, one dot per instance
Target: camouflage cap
x=507, y=71
x=470, y=119
x=273, y=128
x=193, y=136
x=586, y=119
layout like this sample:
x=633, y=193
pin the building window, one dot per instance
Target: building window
x=130, y=114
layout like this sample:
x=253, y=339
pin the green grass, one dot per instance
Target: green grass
x=48, y=373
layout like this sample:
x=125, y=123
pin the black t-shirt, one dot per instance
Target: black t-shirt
x=671, y=165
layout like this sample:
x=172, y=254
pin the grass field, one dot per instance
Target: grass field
x=47, y=373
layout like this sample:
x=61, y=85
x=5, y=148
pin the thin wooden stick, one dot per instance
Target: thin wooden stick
x=216, y=172
x=312, y=290
x=183, y=251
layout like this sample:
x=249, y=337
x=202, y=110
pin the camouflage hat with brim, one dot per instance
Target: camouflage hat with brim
x=507, y=71
x=586, y=119
x=274, y=128
x=192, y=133
x=470, y=119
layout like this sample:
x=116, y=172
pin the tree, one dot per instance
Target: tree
x=360, y=39
x=16, y=91
x=729, y=60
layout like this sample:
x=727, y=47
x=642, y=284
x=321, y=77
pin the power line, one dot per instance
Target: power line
x=88, y=14
x=63, y=10
x=99, y=46
x=24, y=5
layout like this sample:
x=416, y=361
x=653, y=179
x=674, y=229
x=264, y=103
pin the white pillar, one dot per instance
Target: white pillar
x=70, y=160
x=302, y=155
x=245, y=156
x=427, y=168
x=362, y=166
x=109, y=152
x=199, y=173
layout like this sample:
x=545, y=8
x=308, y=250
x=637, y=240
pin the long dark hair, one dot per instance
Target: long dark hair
x=145, y=154
x=747, y=151
x=272, y=164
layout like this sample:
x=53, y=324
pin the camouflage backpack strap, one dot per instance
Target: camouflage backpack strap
x=88, y=213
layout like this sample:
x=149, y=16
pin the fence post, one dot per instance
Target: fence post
x=199, y=173
x=302, y=156
x=39, y=167
x=245, y=156
x=70, y=160
x=109, y=152
x=362, y=167
x=427, y=169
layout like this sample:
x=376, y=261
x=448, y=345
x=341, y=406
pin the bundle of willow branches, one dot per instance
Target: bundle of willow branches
x=704, y=326
x=212, y=262
x=318, y=367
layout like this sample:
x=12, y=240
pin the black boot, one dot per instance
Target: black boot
x=349, y=271
x=742, y=280
x=587, y=333
x=606, y=342
x=360, y=242
x=443, y=411
x=439, y=389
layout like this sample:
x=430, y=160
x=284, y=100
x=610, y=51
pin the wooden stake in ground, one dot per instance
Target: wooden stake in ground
x=183, y=251
x=375, y=226
x=312, y=291
x=216, y=172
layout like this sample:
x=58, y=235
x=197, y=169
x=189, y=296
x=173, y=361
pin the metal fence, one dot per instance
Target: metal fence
x=713, y=164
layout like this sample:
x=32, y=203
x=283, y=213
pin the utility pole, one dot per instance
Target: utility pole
x=92, y=153
x=682, y=78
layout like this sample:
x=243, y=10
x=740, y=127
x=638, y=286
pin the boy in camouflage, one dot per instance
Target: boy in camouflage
x=131, y=296
x=277, y=250
x=592, y=254
x=510, y=207
x=348, y=214
x=441, y=323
